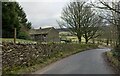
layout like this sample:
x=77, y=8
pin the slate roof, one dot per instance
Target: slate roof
x=41, y=31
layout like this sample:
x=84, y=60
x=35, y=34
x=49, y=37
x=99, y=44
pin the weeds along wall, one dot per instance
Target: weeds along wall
x=24, y=55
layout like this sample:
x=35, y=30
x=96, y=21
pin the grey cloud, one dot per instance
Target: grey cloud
x=43, y=14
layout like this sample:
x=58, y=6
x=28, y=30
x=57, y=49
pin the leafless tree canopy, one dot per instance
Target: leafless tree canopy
x=114, y=18
x=81, y=20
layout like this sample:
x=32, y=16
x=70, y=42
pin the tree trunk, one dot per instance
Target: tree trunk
x=107, y=42
x=93, y=41
x=119, y=37
x=79, y=38
x=14, y=35
x=118, y=32
x=86, y=41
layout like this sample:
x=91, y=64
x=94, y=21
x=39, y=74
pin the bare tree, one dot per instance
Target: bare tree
x=72, y=18
x=114, y=19
x=91, y=25
x=80, y=19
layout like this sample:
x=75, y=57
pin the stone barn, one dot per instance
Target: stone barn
x=45, y=35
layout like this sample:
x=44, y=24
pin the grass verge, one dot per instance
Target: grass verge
x=113, y=61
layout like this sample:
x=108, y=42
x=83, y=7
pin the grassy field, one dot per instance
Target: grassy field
x=17, y=40
x=72, y=38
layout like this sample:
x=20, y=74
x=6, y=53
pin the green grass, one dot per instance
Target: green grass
x=114, y=62
x=17, y=40
x=73, y=38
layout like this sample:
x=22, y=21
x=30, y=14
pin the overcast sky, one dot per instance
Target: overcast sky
x=43, y=13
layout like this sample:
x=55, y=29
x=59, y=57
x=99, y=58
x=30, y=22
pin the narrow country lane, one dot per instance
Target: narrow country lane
x=87, y=62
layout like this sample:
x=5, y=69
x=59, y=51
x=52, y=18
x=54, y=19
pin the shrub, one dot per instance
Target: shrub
x=116, y=52
x=23, y=35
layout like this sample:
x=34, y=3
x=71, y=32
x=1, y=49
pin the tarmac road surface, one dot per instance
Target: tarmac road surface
x=87, y=62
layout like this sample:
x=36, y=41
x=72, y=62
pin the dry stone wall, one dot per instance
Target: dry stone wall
x=24, y=55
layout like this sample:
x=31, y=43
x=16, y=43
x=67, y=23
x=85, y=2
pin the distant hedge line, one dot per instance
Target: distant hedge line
x=20, y=56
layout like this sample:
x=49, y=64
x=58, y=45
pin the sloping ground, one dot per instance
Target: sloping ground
x=114, y=62
x=87, y=62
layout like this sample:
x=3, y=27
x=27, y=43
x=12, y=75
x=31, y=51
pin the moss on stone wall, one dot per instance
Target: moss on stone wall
x=20, y=56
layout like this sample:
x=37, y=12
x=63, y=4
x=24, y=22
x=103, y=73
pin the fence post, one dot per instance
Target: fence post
x=14, y=35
